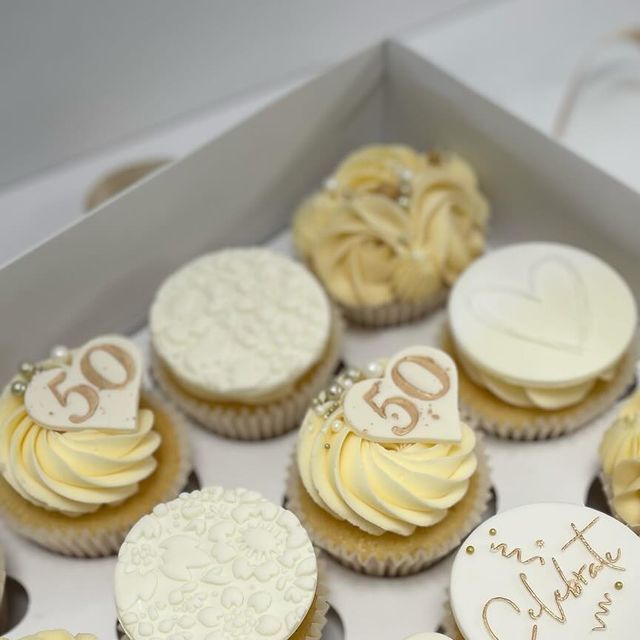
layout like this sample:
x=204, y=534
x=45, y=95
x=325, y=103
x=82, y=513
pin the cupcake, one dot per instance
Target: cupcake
x=219, y=563
x=387, y=479
x=84, y=452
x=242, y=339
x=620, y=462
x=391, y=231
x=546, y=572
x=57, y=634
x=545, y=339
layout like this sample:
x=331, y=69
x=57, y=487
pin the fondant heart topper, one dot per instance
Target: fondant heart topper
x=98, y=389
x=416, y=400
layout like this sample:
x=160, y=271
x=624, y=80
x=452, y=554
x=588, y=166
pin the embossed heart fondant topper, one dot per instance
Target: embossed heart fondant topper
x=416, y=400
x=98, y=389
x=551, y=309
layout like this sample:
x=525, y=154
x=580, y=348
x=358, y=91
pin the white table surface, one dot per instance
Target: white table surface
x=519, y=53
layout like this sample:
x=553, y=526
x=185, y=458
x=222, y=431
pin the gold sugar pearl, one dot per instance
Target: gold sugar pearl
x=492, y=532
x=618, y=585
x=327, y=445
x=470, y=550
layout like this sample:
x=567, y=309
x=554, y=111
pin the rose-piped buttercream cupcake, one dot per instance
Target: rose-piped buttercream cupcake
x=545, y=338
x=387, y=478
x=551, y=571
x=391, y=231
x=242, y=339
x=56, y=634
x=620, y=463
x=220, y=563
x=84, y=452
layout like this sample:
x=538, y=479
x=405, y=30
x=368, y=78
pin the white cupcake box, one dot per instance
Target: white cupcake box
x=100, y=275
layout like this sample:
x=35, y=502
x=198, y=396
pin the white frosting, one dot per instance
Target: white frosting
x=536, y=545
x=416, y=400
x=428, y=636
x=240, y=325
x=215, y=564
x=99, y=389
x=542, y=314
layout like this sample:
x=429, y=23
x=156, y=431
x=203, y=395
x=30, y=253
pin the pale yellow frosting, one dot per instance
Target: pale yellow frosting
x=382, y=487
x=57, y=634
x=547, y=398
x=73, y=472
x=394, y=226
x=620, y=460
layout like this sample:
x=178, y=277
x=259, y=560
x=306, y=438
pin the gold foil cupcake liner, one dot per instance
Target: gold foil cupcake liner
x=312, y=625
x=255, y=422
x=101, y=533
x=481, y=409
x=393, y=313
x=391, y=554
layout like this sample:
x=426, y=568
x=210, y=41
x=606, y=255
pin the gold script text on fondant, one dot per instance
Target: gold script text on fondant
x=516, y=552
x=573, y=583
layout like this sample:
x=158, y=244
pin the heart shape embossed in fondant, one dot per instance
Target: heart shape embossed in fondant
x=98, y=389
x=551, y=310
x=416, y=400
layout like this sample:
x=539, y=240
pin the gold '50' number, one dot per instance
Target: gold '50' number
x=99, y=382
x=409, y=389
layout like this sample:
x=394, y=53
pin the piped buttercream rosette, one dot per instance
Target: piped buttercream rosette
x=83, y=451
x=392, y=231
x=387, y=479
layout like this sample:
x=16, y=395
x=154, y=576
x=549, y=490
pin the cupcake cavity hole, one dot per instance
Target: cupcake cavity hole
x=334, y=629
x=14, y=607
x=492, y=505
x=193, y=482
x=596, y=497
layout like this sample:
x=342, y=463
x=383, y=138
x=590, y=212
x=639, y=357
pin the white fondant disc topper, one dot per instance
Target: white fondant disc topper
x=416, y=400
x=98, y=389
x=548, y=572
x=542, y=314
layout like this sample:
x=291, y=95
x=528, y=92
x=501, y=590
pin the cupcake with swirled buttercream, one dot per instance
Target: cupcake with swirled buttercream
x=387, y=478
x=620, y=463
x=84, y=452
x=57, y=634
x=391, y=231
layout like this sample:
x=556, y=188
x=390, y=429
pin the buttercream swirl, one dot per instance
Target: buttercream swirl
x=393, y=226
x=545, y=398
x=57, y=634
x=620, y=460
x=73, y=472
x=382, y=487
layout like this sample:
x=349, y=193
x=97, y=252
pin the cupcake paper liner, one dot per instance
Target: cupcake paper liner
x=393, y=313
x=481, y=409
x=391, y=554
x=101, y=533
x=255, y=422
x=312, y=625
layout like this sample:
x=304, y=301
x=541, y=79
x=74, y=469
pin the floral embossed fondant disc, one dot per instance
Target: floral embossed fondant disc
x=240, y=324
x=215, y=564
x=548, y=572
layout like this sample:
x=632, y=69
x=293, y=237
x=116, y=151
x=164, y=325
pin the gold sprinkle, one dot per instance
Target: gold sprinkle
x=492, y=532
x=618, y=585
x=327, y=445
x=540, y=543
x=470, y=550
